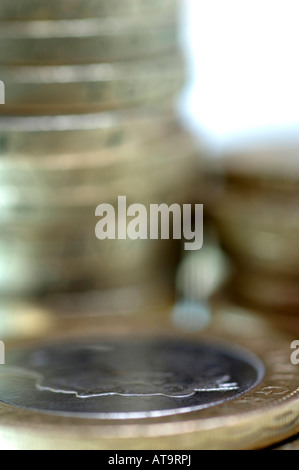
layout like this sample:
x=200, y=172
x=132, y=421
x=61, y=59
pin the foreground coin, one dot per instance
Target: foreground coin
x=72, y=9
x=83, y=41
x=90, y=88
x=219, y=395
x=127, y=379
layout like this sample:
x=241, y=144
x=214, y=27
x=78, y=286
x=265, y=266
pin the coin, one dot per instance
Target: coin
x=72, y=9
x=111, y=264
x=26, y=318
x=248, y=223
x=267, y=291
x=90, y=88
x=233, y=387
x=127, y=379
x=172, y=139
x=267, y=168
x=140, y=175
x=83, y=41
x=73, y=134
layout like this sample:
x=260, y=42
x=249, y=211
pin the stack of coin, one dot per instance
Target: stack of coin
x=256, y=210
x=89, y=115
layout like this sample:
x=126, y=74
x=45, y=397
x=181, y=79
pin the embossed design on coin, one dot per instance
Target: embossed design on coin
x=113, y=379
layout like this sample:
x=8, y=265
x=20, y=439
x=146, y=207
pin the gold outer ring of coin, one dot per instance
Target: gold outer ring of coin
x=30, y=10
x=36, y=137
x=261, y=417
x=90, y=88
x=84, y=41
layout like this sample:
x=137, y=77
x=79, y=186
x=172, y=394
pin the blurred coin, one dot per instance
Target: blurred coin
x=112, y=263
x=21, y=319
x=266, y=290
x=72, y=9
x=261, y=230
x=264, y=168
x=90, y=88
x=83, y=41
x=72, y=134
x=43, y=317
x=139, y=174
x=66, y=205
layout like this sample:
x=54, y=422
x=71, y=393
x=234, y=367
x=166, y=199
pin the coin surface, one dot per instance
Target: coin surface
x=90, y=88
x=127, y=379
x=75, y=134
x=134, y=386
x=84, y=41
x=72, y=9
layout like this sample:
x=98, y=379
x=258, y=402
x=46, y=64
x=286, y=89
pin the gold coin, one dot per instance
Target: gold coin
x=72, y=9
x=140, y=175
x=248, y=223
x=112, y=263
x=90, y=88
x=264, y=168
x=256, y=418
x=34, y=137
x=269, y=291
x=84, y=41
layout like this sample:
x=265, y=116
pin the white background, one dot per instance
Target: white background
x=244, y=59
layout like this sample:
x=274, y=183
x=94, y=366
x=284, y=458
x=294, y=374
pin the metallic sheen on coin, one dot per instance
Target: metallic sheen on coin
x=83, y=41
x=91, y=88
x=84, y=133
x=125, y=379
x=25, y=10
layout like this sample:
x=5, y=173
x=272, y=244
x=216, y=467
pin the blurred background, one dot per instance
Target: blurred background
x=242, y=104
x=96, y=107
x=244, y=85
